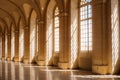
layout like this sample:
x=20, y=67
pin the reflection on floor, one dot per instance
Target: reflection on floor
x=19, y=71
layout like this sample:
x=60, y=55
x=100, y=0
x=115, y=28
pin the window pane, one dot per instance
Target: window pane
x=56, y=30
x=85, y=25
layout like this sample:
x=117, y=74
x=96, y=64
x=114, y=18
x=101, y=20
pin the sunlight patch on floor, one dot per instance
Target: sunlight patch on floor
x=96, y=76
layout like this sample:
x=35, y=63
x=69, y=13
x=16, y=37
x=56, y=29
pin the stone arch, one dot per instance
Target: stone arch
x=27, y=12
x=16, y=18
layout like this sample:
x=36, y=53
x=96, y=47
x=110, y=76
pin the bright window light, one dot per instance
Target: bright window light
x=85, y=26
x=56, y=30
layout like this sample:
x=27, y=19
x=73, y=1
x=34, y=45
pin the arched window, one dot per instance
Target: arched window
x=56, y=30
x=85, y=25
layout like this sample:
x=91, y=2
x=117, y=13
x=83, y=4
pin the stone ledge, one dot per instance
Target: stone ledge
x=63, y=65
x=100, y=69
x=41, y=63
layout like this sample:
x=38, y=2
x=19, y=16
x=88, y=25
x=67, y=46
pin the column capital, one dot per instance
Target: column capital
x=64, y=14
x=40, y=21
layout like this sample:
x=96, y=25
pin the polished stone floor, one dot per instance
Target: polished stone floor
x=20, y=71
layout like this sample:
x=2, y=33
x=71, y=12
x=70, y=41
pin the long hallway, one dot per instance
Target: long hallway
x=80, y=37
x=20, y=71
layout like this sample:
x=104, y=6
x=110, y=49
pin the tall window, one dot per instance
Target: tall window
x=85, y=25
x=56, y=30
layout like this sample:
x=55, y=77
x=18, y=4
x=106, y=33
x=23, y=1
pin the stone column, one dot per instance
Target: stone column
x=100, y=54
x=41, y=42
x=26, y=58
x=64, y=41
x=3, y=46
x=9, y=47
x=16, y=58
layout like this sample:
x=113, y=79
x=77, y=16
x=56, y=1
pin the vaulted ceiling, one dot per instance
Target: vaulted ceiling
x=11, y=11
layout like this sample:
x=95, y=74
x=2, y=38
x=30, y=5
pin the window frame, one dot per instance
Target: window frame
x=54, y=16
x=88, y=46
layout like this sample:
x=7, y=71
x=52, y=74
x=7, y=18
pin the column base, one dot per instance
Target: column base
x=100, y=69
x=16, y=59
x=110, y=70
x=41, y=63
x=8, y=59
x=63, y=65
x=3, y=58
x=26, y=61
